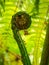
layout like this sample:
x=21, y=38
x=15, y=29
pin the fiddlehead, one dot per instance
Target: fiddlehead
x=21, y=21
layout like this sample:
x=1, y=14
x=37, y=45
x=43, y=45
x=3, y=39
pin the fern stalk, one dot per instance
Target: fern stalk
x=45, y=53
x=20, y=42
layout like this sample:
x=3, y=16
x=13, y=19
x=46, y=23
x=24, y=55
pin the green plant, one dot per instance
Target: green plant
x=15, y=27
x=35, y=35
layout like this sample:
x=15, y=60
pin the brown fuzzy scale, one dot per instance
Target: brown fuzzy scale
x=22, y=20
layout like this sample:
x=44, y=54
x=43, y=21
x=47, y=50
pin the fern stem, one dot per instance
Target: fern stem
x=20, y=42
x=45, y=53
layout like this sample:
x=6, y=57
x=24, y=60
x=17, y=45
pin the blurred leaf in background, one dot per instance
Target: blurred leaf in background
x=34, y=41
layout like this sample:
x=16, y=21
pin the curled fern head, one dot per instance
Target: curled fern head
x=21, y=20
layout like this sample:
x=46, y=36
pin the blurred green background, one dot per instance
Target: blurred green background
x=34, y=38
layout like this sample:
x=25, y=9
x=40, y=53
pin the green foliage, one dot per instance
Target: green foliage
x=34, y=40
